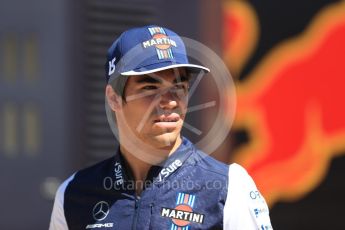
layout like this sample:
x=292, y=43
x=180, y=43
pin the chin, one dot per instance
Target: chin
x=166, y=140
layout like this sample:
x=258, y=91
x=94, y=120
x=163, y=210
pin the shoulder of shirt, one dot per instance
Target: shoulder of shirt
x=239, y=175
x=245, y=207
x=100, y=166
x=238, y=170
x=90, y=172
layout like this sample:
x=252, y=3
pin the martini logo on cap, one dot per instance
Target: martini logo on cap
x=161, y=42
x=182, y=215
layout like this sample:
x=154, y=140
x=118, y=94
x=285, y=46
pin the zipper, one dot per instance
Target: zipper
x=151, y=208
x=136, y=212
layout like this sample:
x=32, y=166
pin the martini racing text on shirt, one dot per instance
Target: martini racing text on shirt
x=182, y=215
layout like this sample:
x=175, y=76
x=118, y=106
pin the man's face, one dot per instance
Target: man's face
x=155, y=107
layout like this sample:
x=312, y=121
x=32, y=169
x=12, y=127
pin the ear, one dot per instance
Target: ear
x=114, y=100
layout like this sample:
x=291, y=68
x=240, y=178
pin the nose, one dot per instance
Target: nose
x=168, y=100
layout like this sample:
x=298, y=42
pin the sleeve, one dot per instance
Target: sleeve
x=58, y=220
x=245, y=208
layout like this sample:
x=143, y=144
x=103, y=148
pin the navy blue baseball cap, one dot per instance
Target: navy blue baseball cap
x=145, y=50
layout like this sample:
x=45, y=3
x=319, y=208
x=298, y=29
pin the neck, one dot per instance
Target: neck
x=140, y=167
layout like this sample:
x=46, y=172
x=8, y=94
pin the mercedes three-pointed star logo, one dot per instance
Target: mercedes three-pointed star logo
x=100, y=210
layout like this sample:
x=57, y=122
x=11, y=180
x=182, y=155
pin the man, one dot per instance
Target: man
x=157, y=179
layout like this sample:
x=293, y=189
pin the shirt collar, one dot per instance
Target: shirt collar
x=157, y=173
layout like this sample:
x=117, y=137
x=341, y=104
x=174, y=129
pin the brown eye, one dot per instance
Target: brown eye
x=180, y=87
x=150, y=87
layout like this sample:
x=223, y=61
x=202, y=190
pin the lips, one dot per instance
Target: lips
x=165, y=119
x=174, y=117
x=167, y=122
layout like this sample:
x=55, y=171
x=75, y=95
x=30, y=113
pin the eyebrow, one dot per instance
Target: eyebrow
x=149, y=79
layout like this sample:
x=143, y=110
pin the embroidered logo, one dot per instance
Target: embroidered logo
x=161, y=42
x=182, y=215
x=118, y=174
x=170, y=169
x=112, y=66
x=100, y=210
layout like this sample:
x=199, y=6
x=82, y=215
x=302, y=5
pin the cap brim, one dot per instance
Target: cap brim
x=191, y=67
